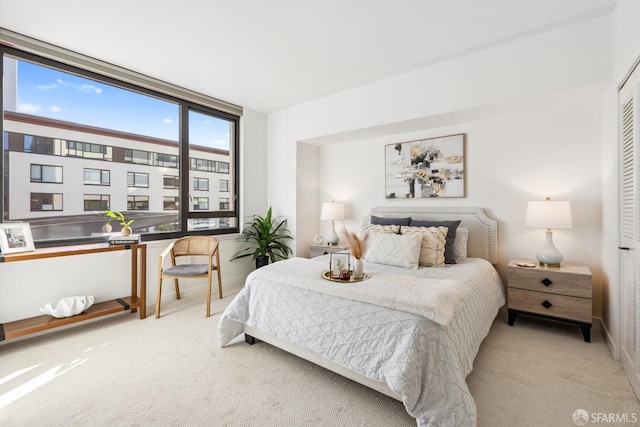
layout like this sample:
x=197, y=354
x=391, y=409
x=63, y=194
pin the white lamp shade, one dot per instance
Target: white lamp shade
x=332, y=211
x=548, y=214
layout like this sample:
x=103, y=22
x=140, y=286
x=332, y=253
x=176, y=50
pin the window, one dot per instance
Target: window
x=135, y=179
x=201, y=203
x=97, y=177
x=201, y=184
x=54, y=108
x=46, y=173
x=96, y=202
x=138, y=203
x=224, y=185
x=138, y=156
x=46, y=202
x=171, y=203
x=171, y=182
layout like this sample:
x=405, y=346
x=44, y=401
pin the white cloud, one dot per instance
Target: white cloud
x=55, y=109
x=28, y=108
x=167, y=121
x=207, y=122
x=45, y=87
x=90, y=89
x=220, y=144
x=62, y=82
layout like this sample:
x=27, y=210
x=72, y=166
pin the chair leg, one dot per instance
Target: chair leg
x=175, y=282
x=209, y=294
x=158, y=296
x=218, y=271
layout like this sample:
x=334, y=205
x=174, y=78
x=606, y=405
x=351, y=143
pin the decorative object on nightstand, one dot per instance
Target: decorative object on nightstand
x=549, y=214
x=319, y=250
x=334, y=212
x=560, y=293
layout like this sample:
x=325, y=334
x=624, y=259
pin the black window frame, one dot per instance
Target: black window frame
x=41, y=180
x=184, y=106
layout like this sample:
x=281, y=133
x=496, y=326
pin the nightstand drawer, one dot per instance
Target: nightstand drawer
x=554, y=282
x=561, y=306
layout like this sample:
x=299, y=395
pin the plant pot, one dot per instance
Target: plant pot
x=261, y=261
x=106, y=228
x=126, y=231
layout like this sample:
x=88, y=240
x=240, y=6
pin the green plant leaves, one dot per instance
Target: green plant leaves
x=266, y=237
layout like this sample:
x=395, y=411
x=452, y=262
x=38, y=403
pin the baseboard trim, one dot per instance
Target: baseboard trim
x=608, y=338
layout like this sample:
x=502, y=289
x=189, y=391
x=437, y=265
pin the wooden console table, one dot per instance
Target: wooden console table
x=133, y=302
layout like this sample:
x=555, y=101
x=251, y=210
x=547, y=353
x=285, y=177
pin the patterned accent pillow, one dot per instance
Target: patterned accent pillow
x=460, y=244
x=433, y=243
x=374, y=229
x=395, y=249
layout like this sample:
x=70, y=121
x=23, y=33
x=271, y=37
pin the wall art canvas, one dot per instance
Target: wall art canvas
x=425, y=168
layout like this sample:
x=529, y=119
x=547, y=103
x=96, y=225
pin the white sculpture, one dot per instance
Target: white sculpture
x=68, y=306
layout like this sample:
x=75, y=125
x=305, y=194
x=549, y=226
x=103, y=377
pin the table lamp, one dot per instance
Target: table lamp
x=334, y=212
x=549, y=214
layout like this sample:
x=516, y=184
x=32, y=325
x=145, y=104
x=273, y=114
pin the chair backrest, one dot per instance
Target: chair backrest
x=195, y=245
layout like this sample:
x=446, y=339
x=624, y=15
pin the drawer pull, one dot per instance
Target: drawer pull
x=546, y=282
x=546, y=304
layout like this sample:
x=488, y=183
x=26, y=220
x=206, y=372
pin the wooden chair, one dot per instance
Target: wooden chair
x=190, y=246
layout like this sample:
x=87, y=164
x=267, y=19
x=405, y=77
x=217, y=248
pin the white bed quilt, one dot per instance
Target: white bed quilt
x=423, y=361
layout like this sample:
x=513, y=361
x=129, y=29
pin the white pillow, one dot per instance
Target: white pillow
x=395, y=249
x=434, y=240
x=460, y=243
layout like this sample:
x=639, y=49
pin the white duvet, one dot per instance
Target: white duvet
x=422, y=355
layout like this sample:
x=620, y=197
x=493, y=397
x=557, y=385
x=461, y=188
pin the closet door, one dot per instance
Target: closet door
x=629, y=228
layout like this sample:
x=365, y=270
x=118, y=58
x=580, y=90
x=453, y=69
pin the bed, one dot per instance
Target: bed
x=410, y=333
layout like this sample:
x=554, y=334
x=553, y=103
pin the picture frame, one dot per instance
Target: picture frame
x=16, y=237
x=337, y=262
x=425, y=168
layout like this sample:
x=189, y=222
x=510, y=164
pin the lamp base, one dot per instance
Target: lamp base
x=549, y=256
x=332, y=239
x=546, y=264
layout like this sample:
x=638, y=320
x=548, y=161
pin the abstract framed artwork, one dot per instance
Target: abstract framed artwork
x=425, y=168
x=16, y=237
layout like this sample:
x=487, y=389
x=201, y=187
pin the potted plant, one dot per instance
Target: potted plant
x=358, y=248
x=266, y=236
x=118, y=216
x=106, y=227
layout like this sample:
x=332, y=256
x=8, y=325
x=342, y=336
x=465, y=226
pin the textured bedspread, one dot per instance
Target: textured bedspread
x=424, y=362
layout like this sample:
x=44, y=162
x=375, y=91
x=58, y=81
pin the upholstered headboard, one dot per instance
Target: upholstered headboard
x=483, y=231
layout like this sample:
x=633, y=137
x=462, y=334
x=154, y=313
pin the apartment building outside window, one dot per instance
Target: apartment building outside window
x=78, y=131
x=46, y=202
x=135, y=179
x=97, y=177
x=96, y=202
x=138, y=203
x=224, y=185
x=201, y=184
x=46, y=173
x=171, y=182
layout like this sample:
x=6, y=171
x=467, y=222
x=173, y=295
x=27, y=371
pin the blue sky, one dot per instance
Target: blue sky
x=58, y=95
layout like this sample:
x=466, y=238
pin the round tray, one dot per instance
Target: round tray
x=327, y=275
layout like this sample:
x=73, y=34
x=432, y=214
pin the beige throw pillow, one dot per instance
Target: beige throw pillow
x=433, y=242
x=394, y=249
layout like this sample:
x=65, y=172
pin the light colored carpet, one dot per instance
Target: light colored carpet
x=121, y=371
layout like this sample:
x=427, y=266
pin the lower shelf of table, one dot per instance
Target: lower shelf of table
x=42, y=323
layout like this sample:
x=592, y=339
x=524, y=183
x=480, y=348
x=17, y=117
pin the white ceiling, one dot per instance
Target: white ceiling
x=271, y=54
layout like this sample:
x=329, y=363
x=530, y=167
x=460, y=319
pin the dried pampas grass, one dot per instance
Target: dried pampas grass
x=358, y=245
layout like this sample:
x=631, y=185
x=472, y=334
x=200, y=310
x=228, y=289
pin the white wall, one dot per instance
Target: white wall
x=26, y=285
x=531, y=113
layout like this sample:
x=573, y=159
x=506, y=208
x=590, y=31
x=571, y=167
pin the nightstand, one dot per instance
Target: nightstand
x=319, y=250
x=562, y=293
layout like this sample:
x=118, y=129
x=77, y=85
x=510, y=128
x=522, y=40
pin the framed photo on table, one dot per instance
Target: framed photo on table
x=16, y=237
x=337, y=262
